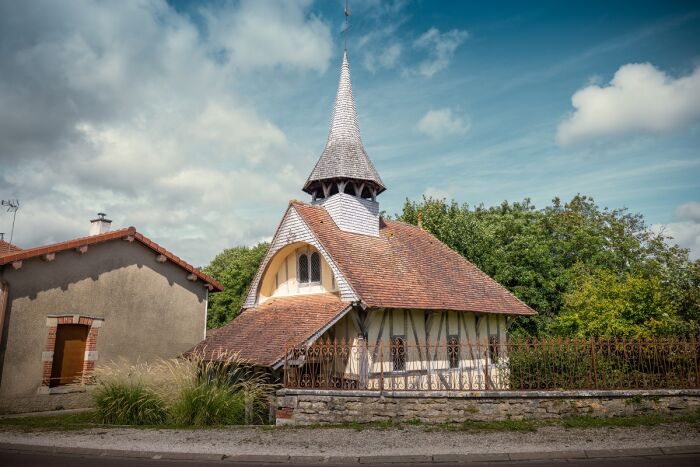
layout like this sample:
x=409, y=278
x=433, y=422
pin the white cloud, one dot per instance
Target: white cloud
x=686, y=231
x=125, y=107
x=260, y=34
x=440, y=48
x=689, y=212
x=442, y=122
x=639, y=99
x=386, y=58
x=437, y=193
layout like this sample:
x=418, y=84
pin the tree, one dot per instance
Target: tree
x=603, y=303
x=235, y=268
x=534, y=252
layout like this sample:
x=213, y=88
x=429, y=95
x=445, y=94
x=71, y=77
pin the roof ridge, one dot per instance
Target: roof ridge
x=104, y=237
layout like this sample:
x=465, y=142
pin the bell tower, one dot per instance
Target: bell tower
x=344, y=180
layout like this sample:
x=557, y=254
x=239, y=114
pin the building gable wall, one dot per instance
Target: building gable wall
x=147, y=309
x=293, y=229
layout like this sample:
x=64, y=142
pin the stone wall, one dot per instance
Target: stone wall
x=307, y=407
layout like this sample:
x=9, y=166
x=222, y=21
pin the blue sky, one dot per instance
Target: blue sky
x=197, y=122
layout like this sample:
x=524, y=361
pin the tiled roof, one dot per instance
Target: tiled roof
x=344, y=155
x=7, y=247
x=105, y=237
x=407, y=267
x=260, y=335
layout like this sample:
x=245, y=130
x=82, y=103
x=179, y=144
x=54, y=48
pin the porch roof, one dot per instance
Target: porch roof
x=260, y=335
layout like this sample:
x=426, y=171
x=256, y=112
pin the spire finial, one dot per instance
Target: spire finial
x=347, y=25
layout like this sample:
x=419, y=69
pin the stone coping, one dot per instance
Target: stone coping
x=490, y=394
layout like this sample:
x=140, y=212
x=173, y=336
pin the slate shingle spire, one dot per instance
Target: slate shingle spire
x=344, y=165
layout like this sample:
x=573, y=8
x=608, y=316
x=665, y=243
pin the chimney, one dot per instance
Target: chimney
x=100, y=225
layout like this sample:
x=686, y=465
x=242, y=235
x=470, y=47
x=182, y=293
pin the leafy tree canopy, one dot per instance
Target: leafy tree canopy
x=235, y=268
x=545, y=257
x=602, y=303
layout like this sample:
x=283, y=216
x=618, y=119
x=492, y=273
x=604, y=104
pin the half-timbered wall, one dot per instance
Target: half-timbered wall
x=426, y=335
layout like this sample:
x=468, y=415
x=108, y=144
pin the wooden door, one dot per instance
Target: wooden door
x=69, y=354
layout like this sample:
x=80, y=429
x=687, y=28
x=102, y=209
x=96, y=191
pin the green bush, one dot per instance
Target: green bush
x=189, y=392
x=209, y=403
x=123, y=403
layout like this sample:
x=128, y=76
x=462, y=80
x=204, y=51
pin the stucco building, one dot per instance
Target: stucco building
x=67, y=307
x=337, y=271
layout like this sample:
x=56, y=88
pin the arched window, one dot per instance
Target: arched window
x=303, y=269
x=315, y=267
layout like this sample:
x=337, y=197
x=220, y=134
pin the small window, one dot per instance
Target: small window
x=398, y=353
x=494, y=349
x=303, y=269
x=453, y=351
x=315, y=267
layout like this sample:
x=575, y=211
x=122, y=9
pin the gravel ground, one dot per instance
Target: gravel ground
x=349, y=442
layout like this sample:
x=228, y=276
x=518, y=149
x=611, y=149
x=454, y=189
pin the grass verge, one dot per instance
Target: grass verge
x=90, y=419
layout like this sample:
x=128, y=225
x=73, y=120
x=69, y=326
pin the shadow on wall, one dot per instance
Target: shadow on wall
x=119, y=264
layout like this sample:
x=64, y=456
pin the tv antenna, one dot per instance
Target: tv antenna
x=12, y=206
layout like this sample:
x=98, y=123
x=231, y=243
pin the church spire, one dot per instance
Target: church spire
x=344, y=166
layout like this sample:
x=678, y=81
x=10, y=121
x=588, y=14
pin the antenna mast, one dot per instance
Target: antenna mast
x=13, y=207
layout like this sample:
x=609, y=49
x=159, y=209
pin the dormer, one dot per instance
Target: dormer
x=297, y=269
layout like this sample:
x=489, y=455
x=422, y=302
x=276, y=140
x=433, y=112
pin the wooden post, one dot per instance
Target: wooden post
x=364, y=363
x=381, y=367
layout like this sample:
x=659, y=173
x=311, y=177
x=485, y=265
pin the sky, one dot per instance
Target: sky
x=197, y=122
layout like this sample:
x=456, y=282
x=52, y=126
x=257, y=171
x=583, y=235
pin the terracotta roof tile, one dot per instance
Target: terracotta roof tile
x=29, y=253
x=407, y=267
x=7, y=248
x=260, y=335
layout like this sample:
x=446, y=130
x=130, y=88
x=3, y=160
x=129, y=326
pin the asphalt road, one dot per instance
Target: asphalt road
x=11, y=459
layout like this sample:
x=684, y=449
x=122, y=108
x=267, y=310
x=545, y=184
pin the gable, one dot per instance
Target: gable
x=82, y=245
x=293, y=229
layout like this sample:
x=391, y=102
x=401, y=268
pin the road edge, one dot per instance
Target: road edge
x=320, y=459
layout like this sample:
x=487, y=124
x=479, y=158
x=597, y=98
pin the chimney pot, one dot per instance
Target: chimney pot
x=100, y=225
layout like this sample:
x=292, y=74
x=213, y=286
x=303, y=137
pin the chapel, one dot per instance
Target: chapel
x=336, y=271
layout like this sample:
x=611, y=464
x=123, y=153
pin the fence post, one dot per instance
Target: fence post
x=487, y=386
x=694, y=345
x=285, y=377
x=594, y=370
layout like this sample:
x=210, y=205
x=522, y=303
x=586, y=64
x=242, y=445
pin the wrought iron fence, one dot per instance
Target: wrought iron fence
x=516, y=364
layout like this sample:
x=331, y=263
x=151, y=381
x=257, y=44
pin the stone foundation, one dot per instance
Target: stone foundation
x=308, y=407
x=44, y=402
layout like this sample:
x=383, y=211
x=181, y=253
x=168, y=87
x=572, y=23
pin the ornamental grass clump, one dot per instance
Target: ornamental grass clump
x=189, y=391
x=207, y=404
x=126, y=403
x=223, y=392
